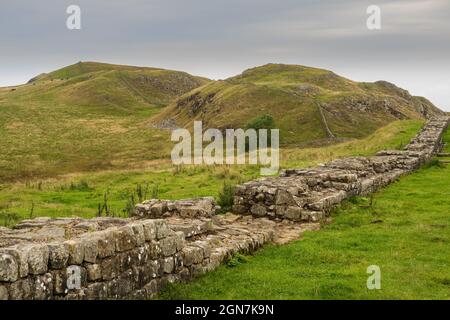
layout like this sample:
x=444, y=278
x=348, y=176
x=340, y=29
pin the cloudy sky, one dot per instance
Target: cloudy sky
x=221, y=38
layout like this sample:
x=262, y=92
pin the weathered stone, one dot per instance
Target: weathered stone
x=58, y=255
x=162, y=230
x=149, y=229
x=240, y=209
x=258, y=210
x=125, y=239
x=168, y=246
x=59, y=281
x=20, y=254
x=139, y=233
x=192, y=255
x=75, y=248
x=283, y=197
x=110, y=267
x=97, y=291
x=106, y=243
x=204, y=245
x=191, y=208
x=154, y=249
x=151, y=288
x=167, y=265
x=3, y=293
x=94, y=272
x=90, y=248
x=178, y=261
x=179, y=240
x=43, y=287
x=21, y=289
x=293, y=213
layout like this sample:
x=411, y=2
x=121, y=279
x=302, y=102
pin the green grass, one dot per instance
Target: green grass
x=86, y=117
x=80, y=194
x=406, y=232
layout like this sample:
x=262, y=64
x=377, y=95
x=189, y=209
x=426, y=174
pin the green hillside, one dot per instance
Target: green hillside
x=308, y=104
x=93, y=116
x=85, y=117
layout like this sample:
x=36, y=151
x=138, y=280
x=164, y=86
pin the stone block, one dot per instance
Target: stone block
x=106, y=243
x=167, y=265
x=139, y=233
x=21, y=289
x=3, y=293
x=110, y=267
x=192, y=255
x=162, y=229
x=97, y=291
x=94, y=272
x=258, y=210
x=58, y=255
x=75, y=248
x=90, y=248
x=125, y=239
x=43, y=287
x=168, y=246
x=149, y=229
x=9, y=268
x=20, y=254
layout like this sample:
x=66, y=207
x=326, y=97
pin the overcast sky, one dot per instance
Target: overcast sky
x=221, y=38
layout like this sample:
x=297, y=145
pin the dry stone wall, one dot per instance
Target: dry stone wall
x=309, y=194
x=168, y=241
x=111, y=258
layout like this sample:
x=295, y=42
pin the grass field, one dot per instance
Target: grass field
x=86, y=117
x=80, y=194
x=405, y=231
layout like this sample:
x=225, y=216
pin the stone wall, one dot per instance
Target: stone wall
x=111, y=258
x=190, y=208
x=167, y=241
x=309, y=194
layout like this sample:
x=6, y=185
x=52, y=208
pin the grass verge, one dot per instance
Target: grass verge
x=404, y=230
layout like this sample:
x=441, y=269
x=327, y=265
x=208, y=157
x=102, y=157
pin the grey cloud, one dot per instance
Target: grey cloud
x=218, y=38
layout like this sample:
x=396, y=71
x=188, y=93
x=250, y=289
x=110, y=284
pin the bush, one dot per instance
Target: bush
x=225, y=198
x=236, y=260
x=262, y=122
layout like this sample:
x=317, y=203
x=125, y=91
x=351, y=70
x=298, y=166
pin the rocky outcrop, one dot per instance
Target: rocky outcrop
x=309, y=194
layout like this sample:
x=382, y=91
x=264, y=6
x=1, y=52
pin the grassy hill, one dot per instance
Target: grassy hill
x=84, y=117
x=309, y=105
x=94, y=116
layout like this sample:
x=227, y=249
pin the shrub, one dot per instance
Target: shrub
x=236, y=260
x=262, y=122
x=225, y=198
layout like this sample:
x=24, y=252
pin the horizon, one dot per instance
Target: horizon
x=221, y=40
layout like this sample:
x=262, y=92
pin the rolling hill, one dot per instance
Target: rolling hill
x=84, y=117
x=309, y=105
x=94, y=116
